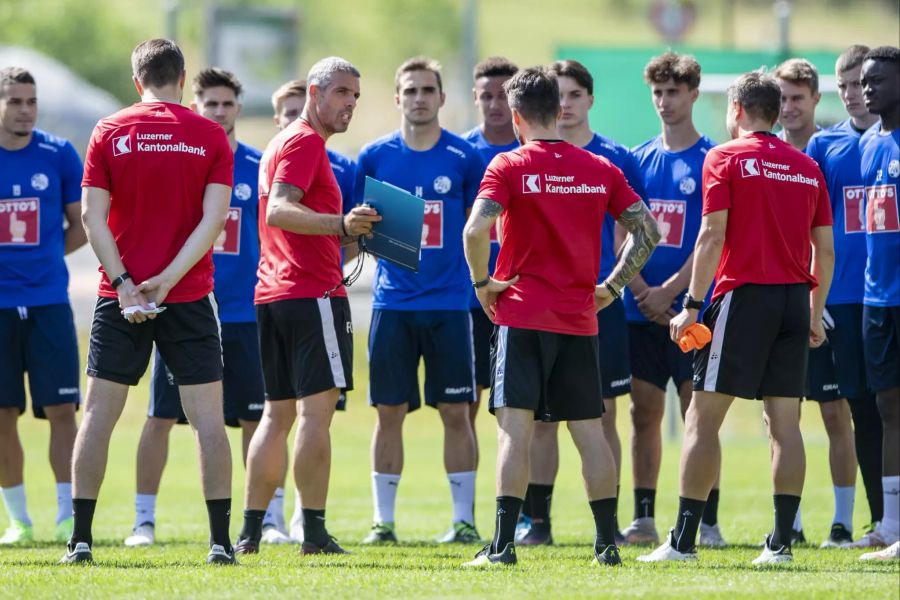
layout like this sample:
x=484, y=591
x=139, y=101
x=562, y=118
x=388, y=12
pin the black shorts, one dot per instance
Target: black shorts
x=555, y=375
x=186, y=334
x=760, y=342
x=306, y=345
x=40, y=341
x=655, y=358
x=837, y=368
x=881, y=332
x=242, y=381
x=482, y=332
x=612, y=333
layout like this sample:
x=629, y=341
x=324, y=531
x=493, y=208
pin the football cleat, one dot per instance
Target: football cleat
x=874, y=539
x=773, y=556
x=486, y=559
x=17, y=533
x=81, y=553
x=668, y=552
x=711, y=536
x=641, y=531
x=381, y=533
x=890, y=553
x=246, y=546
x=461, y=533
x=64, y=529
x=609, y=556
x=539, y=534
x=797, y=537
x=272, y=535
x=142, y=535
x=220, y=556
x=838, y=537
x=331, y=547
x=522, y=526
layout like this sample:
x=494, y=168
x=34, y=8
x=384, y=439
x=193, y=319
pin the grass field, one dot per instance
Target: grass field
x=418, y=568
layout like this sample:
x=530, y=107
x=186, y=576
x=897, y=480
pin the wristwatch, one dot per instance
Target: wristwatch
x=482, y=283
x=616, y=294
x=690, y=302
x=120, y=280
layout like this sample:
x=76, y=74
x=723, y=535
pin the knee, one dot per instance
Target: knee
x=646, y=418
x=546, y=433
x=783, y=430
x=62, y=416
x=157, y=427
x=889, y=407
x=9, y=418
x=390, y=418
x=455, y=417
x=836, y=421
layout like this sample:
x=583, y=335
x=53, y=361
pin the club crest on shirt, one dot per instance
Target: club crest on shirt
x=894, y=168
x=687, y=185
x=39, y=181
x=442, y=184
x=242, y=191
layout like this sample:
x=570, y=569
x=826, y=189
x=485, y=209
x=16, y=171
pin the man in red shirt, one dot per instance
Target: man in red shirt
x=157, y=183
x=305, y=332
x=765, y=206
x=551, y=197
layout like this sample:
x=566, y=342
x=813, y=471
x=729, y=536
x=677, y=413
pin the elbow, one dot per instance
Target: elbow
x=273, y=217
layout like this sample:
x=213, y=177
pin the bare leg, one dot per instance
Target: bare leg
x=611, y=433
x=597, y=466
x=247, y=430
x=103, y=404
x=63, y=430
x=889, y=407
x=203, y=407
x=12, y=457
x=387, y=440
x=701, y=454
x=266, y=456
x=473, y=413
x=647, y=407
x=312, y=448
x=514, y=431
x=841, y=444
x=152, y=454
x=788, y=454
x=544, y=453
x=459, y=439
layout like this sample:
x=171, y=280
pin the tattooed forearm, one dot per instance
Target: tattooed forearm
x=286, y=191
x=487, y=208
x=643, y=235
x=477, y=236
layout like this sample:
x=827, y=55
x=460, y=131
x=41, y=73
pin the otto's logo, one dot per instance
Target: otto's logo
x=531, y=184
x=749, y=167
x=894, y=168
x=442, y=184
x=242, y=191
x=121, y=145
x=39, y=181
x=687, y=186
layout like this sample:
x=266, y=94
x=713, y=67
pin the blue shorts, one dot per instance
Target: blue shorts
x=881, y=336
x=613, y=337
x=655, y=358
x=399, y=338
x=40, y=341
x=482, y=332
x=837, y=368
x=242, y=380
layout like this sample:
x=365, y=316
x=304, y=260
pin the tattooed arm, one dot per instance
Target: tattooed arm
x=643, y=234
x=477, y=244
x=286, y=210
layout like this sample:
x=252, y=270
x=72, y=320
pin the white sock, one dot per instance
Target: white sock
x=384, y=492
x=275, y=511
x=297, y=518
x=890, y=523
x=63, y=502
x=843, y=505
x=462, y=490
x=144, y=509
x=14, y=499
x=798, y=525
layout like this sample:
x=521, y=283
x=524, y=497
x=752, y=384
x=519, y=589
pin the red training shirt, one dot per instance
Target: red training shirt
x=774, y=195
x=554, y=197
x=293, y=265
x=156, y=159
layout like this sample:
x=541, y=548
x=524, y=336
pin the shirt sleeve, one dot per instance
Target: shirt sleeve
x=622, y=195
x=297, y=165
x=494, y=185
x=222, y=169
x=359, y=179
x=474, y=172
x=822, y=216
x=716, y=186
x=96, y=171
x=632, y=172
x=72, y=172
x=347, y=183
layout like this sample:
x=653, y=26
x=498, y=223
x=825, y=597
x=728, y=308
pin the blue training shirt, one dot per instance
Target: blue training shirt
x=488, y=151
x=620, y=156
x=837, y=153
x=345, y=172
x=880, y=162
x=236, y=251
x=447, y=177
x=36, y=182
x=673, y=184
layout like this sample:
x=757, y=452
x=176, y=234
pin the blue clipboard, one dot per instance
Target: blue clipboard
x=398, y=236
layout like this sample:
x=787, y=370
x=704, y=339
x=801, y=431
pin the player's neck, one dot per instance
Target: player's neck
x=420, y=137
x=890, y=120
x=232, y=140
x=312, y=119
x=799, y=138
x=11, y=141
x=579, y=136
x=170, y=94
x=863, y=123
x=536, y=132
x=499, y=136
x=679, y=136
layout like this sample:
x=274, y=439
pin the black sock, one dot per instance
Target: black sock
x=252, y=529
x=617, y=508
x=711, y=510
x=508, y=508
x=786, y=507
x=685, y=534
x=84, y=517
x=541, y=497
x=314, y=526
x=867, y=434
x=526, y=503
x=219, y=512
x=604, y=522
x=644, y=503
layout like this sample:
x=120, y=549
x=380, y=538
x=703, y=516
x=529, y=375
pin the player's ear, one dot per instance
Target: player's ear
x=695, y=93
x=475, y=95
x=591, y=103
x=182, y=79
x=194, y=105
x=239, y=107
x=443, y=97
x=138, y=86
x=816, y=98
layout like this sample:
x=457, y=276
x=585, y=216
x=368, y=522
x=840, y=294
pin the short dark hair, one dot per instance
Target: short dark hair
x=419, y=63
x=851, y=58
x=216, y=77
x=11, y=75
x=494, y=66
x=157, y=62
x=575, y=70
x=886, y=53
x=680, y=68
x=799, y=71
x=296, y=87
x=534, y=94
x=758, y=94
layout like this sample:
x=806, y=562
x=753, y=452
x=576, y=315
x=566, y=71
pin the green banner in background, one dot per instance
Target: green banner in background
x=622, y=104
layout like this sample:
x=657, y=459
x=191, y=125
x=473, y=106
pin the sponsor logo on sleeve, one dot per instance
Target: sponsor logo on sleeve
x=881, y=209
x=229, y=240
x=854, y=209
x=670, y=214
x=20, y=222
x=433, y=225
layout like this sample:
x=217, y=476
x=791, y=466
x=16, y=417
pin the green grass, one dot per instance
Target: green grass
x=418, y=568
